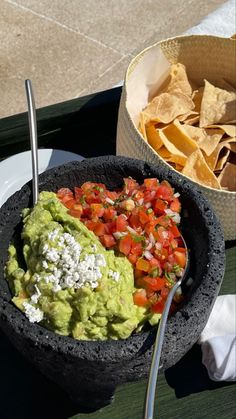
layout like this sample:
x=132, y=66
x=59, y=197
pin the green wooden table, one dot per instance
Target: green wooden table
x=87, y=126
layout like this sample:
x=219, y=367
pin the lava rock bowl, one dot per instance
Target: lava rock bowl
x=89, y=371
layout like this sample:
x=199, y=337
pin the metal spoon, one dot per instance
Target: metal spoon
x=33, y=138
x=151, y=387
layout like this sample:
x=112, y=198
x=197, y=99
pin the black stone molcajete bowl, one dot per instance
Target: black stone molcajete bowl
x=90, y=371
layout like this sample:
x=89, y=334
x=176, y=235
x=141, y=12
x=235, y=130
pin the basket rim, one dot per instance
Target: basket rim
x=178, y=37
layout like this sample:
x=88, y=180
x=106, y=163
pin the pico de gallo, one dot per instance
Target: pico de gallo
x=140, y=222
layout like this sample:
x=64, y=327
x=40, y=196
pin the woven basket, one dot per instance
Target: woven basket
x=205, y=57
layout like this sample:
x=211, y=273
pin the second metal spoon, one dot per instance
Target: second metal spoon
x=151, y=387
x=33, y=138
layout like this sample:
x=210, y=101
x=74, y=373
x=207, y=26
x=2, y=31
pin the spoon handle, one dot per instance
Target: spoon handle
x=33, y=138
x=151, y=388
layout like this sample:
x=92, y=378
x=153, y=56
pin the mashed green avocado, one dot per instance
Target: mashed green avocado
x=71, y=283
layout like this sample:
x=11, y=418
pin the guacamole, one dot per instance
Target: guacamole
x=68, y=282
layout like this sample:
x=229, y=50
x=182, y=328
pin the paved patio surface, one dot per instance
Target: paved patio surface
x=69, y=48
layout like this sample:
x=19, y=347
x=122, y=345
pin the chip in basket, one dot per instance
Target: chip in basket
x=192, y=128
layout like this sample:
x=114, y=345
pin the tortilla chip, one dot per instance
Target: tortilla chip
x=177, y=136
x=218, y=106
x=222, y=159
x=227, y=177
x=213, y=158
x=197, y=169
x=232, y=144
x=164, y=153
x=179, y=161
x=197, y=98
x=192, y=114
x=192, y=120
x=153, y=136
x=141, y=127
x=166, y=107
x=206, y=142
x=171, y=148
x=179, y=80
x=230, y=130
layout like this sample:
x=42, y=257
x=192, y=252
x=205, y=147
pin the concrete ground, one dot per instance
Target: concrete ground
x=70, y=48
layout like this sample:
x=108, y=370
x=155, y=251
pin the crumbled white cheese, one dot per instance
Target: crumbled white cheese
x=35, y=297
x=114, y=275
x=35, y=315
x=53, y=234
x=45, y=264
x=70, y=269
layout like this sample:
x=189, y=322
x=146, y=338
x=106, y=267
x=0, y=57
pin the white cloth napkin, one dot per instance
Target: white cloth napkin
x=218, y=340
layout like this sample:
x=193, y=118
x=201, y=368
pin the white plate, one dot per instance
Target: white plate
x=17, y=170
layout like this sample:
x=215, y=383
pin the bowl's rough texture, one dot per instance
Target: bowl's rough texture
x=205, y=57
x=90, y=371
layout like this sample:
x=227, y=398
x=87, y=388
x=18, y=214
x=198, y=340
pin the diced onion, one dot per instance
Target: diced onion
x=176, y=194
x=109, y=200
x=131, y=230
x=149, y=246
x=118, y=235
x=148, y=255
x=140, y=201
x=152, y=239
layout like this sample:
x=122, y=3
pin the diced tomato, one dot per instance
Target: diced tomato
x=163, y=221
x=64, y=192
x=136, y=248
x=69, y=203
x=180, y=258
x=159, y=207
x=109, y=213
x=134, y=221
x=76, y=211
x=130, y=185
x=138, y=195
x=142, y=264
x=133, y=258
x=97, y=210
x=113, y=195
x=151, y=183
x=164, y=293
x=92, y=198
x=78, y=193
x=149, y=195
x=154, y=284
x=87, y=186
x=164, y=236
x=121, y=223
x=165, y=191
x=108, y=240
x=143, y=217
x=174, y=230
x=100, y=229
x=175, y=205
x=125, y=244
x=140, y=298
x=158, y=307
x=66, y=198
x=90, y=224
